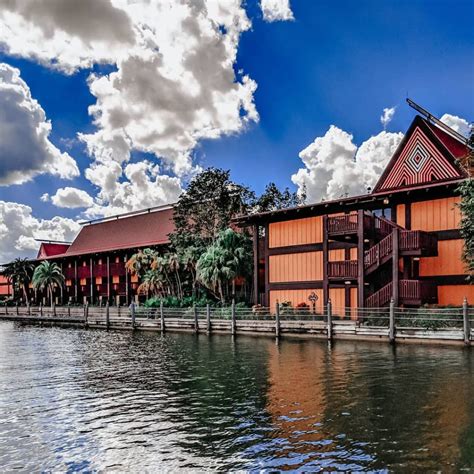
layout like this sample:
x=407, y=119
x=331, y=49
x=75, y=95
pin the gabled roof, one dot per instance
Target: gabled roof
x=51, y=249
x=141, y=230
x=426, y=154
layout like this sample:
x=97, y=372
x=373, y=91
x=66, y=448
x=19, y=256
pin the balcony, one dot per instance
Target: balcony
x=83, y=272
x=69, y=273
x=417, y=243
x=347, y=269
x=410, y=292
x=100, y=270
x=117, y=269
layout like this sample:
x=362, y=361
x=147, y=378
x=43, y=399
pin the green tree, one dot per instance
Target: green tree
x=273, y=199
x=20, y=272
x=466, y=206
x=46, y=276
x=152, y=283
x=228, y=258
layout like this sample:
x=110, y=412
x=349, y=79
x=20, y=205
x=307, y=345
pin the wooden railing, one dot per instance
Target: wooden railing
x=409, y=291
x=100, y=270
x=417, y=239
x=381, y=297
x=343, y=269
x=117, y=269
x=69, y=273
x=342, y=224
x=384, y=226
x=378, y=251
x=83, y=272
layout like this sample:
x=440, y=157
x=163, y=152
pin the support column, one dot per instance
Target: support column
x=267, y=265
x=75, y=280
x=325, y=261
x=395, y=269
x=255, y=265
x=92, y=283
x=360, y=259
x=108, y=278
x=126, y=281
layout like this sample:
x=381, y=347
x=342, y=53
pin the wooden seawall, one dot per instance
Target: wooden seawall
x=205, y=320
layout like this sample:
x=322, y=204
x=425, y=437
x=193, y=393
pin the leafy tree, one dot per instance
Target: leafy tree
x=152, y=283
x=273, y=199
x=46, y=276
x=228, y=258
x=141, y=262
x=19, y=273
x=467, y=224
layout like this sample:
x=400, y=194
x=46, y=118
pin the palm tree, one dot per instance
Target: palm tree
x=19, y=273
x=152, y=282
x=174, y=266
x=212, y=270
x=47, y=275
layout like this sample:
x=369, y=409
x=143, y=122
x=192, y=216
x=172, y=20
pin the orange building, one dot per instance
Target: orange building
x=402, y=240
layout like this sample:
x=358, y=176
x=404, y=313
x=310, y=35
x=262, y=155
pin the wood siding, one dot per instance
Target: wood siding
x=296, y=297
x=401, y=215
x=338, y=300
x=296, y=232
x=454, y=294
x=336, y=255
x=306, y=266
x=448, y=261
x=438, y=214
x=353, y=303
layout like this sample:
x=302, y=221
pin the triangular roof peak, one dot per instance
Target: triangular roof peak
x=426, y=155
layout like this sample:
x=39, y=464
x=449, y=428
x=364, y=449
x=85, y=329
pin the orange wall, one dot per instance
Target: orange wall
x=338, y=300
x=296, y=232
x=448, y=261
x=454, y=294
x=307, y=266
x=5, y=288
x=336, y=255
x=296, y=297
x=401, y=215
x=438, y=214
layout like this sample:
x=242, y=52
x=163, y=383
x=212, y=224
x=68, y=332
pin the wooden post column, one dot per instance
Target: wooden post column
x=360, y=259
x=108, y=278
x=255, y=265
x=75, y=280
x=126, y=281
x=92, y=282
x=395, y=269
x=325, y=261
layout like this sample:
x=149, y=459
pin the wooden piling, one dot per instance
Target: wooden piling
x=86, y=315
x=233, y=321
x=54, y=308
x=17, y=310
x=467, y=323
x=277, y=320
x=162, y=318
x=391, y=322
x=28, y=309
x=69, y=310
x=132, y=309
x=208, y=319
x=41, y=309
x=107, y=315
x=196, y=319
x=329, y=321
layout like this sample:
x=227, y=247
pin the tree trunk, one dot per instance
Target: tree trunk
x=50, y=291
x=221, y=294
x=25, y=293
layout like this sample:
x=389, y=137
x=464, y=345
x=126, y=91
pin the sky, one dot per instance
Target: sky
x=108, y=106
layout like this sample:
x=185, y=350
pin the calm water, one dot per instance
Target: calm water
x=77, y=400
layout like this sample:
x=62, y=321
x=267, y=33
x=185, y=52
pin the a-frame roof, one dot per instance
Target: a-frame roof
x=426, y=155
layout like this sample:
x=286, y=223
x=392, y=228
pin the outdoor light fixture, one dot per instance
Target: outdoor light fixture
x=386, y=201
x=347, y=282
x=416, y=259
x=366, y=241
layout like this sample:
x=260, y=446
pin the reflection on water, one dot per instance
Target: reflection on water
x=91, y=400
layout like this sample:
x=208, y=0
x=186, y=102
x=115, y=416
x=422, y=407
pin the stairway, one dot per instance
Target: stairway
x=410, y=292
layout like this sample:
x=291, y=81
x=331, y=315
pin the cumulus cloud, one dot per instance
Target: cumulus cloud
x=71, y=198
x=458, y=124
x=335, y=167
x=19, y=229
x=25, y=149
x=387, y=116
x=175, y=81
x=276, y=10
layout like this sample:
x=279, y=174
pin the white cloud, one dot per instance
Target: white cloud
x=387, y=116
x=276, y=10
x=25, y=149
x=72, y=198
x=458, y=124
x=19, y=228
x=174, y=82
x=336, y=167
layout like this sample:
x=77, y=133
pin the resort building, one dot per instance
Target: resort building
x=400, y=241
x=94, y=263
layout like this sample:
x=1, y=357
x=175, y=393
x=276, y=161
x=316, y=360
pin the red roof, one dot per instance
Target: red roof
x=141, y=230
x=457, y=148
x=51, y=249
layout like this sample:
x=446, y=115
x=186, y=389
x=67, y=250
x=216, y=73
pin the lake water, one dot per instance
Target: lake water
x=77, y=400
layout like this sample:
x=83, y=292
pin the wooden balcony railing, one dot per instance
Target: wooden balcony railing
x=83, y=272
x=343, y=269
x=409, y=292
x=379, y=251
x=342, y=224
x=100, y=270
x=69, y=273
x=117, y=269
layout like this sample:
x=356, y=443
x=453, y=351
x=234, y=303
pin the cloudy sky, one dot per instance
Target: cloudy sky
x=108, y=106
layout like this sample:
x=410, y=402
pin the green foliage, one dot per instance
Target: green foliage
x=273, y=199
x=46, y=276
x=466, y=206
x=19, y=273
x=174, y=302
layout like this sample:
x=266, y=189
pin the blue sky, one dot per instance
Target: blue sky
x=337, y=63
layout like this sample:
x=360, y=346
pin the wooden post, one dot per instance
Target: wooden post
x=467, y=323
x=395, y=270
x=208, y=319
x=108, y=278
x=255, y=265
x=329, y=322
x=75, y=281
x=277, y=320
x=162, y=317
x=196, y=320
x=92, y=282
x=69, y=310
x=132, y=309
x=86, y=315
x=325, y=261
x=54, y=308
x=28, y=309
x=360, y=260
x=41, y=309
x=107, y=315
x=233, y=322
x=17, y=310
x=391, y=325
